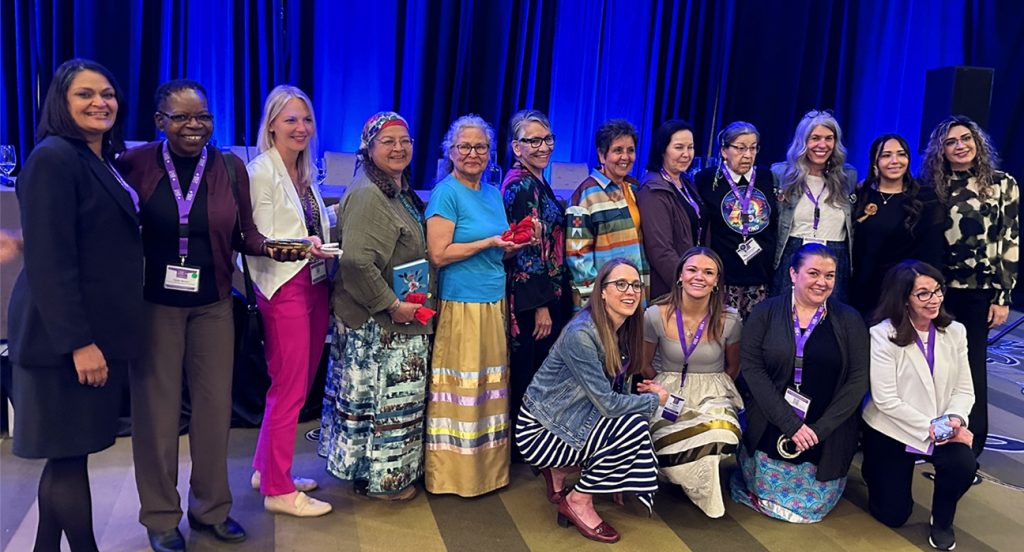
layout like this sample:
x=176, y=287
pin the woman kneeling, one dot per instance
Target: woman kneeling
x=921, y=394
x=576, y=413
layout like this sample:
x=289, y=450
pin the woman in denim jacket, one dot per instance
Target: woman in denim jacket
x=575, y=412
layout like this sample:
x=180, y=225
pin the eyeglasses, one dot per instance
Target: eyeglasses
x=743, y=150
x=925, y=296
x=181, y=118
x=966, y=139
x=622, y=285
x=390, y=143
x=535, y=143
x=465, y=149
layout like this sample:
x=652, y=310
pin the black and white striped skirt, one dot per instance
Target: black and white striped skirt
x=617, y=457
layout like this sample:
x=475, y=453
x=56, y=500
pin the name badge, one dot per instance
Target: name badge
x=814, y=240
x=748, y=250
x=318, y=271
x=182, y=278
x=931, y=449
x=673, y=406
x=798, y=401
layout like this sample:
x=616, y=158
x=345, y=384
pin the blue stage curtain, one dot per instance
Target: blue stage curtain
x=581, y=61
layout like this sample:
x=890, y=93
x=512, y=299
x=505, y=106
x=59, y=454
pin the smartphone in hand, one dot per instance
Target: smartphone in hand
x=941, y=428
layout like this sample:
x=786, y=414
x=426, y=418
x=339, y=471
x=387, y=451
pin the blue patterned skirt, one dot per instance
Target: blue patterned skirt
x=783, y=490
x=372, y=425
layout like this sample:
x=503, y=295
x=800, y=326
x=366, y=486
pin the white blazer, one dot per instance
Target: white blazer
x=905, y=397
x=278, y=213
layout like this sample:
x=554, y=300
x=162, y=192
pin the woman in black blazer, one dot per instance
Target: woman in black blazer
x=76, y=307
x=796, y=348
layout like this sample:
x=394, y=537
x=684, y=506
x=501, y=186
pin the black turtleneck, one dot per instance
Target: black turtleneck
x=160, y=238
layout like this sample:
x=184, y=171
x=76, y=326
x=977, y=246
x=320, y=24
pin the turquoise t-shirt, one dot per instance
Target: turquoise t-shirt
x=477, y=214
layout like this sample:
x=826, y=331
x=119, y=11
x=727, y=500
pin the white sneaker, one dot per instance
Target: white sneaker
x=304, y=506
x=301, y=483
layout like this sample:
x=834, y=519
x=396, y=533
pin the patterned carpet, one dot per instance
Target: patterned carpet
x=516, y=518
x=990, y=517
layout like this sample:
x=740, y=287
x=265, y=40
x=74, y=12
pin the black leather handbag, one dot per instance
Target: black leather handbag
x=250, y=380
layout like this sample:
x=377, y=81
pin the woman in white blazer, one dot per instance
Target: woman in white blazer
x=292, y=297
x=920, y=389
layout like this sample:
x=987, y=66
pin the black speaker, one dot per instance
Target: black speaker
x=956, y=90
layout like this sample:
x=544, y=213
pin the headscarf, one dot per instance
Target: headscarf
x=378, y=122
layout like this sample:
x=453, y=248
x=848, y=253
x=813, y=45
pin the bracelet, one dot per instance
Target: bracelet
x=394, y=306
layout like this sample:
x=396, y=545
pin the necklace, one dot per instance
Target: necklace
x=887, y=197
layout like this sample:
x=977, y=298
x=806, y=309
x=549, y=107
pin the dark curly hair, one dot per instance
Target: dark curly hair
x=936, y=169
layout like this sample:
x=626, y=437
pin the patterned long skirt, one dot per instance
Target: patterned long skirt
x=783, y=490
x=467, y=408
x=707, y=430
x=617, y=457
x=372, y=425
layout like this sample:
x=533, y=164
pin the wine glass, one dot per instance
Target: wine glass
x=8, y=160
x=321, y=170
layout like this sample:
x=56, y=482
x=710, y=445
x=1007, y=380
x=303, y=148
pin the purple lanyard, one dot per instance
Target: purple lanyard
x=814, y=200
x=801, y=341
x=127, y=188
x=929, y=354
x=184, y=201
x=743, y=199
x=688, y=350
x=685, y=191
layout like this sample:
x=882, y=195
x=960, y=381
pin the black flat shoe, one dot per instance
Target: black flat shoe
x=166, y=541
x=227, y=531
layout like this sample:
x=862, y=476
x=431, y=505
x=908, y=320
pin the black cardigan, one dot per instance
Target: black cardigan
x=766, y=360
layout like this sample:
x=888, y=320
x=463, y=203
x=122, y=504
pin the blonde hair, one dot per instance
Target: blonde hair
x=272, y=107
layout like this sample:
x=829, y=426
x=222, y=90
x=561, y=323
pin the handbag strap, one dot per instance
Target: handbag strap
x=250, y=294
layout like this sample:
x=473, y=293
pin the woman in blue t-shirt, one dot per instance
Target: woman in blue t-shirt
x=467, y=450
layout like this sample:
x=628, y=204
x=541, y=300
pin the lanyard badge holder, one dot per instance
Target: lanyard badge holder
x=817, y=216
x=181, y=277
x=800, y=402
x=674, y=404
x=748, y=248
x=940, y=426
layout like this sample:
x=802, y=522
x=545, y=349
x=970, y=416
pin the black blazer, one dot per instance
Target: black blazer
x=82, y=277
x=766, y=359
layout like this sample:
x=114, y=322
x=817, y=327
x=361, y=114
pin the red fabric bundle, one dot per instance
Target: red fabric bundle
x=416, y=297
x=423, y=315
x=520, y=232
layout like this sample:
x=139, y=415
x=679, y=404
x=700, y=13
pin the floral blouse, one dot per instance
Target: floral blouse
x=537, y=273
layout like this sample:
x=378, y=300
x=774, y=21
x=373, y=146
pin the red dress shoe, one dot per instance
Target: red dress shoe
x=602, y=533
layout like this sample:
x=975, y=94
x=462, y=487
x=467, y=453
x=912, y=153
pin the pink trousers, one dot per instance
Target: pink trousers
x=295, y=324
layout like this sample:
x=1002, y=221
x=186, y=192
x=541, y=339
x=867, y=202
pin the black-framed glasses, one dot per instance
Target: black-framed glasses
x=924, y=296
x=390, y=143
x=622, y=285
x=743, y=150
x=465, y=149
x=535, y=143
x=181, y=118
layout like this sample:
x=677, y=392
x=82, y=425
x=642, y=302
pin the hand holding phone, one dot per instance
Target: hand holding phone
x=941, y=429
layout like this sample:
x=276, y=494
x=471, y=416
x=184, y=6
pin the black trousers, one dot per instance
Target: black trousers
x=526, y=356
x=888, y=470
x=970, y=308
